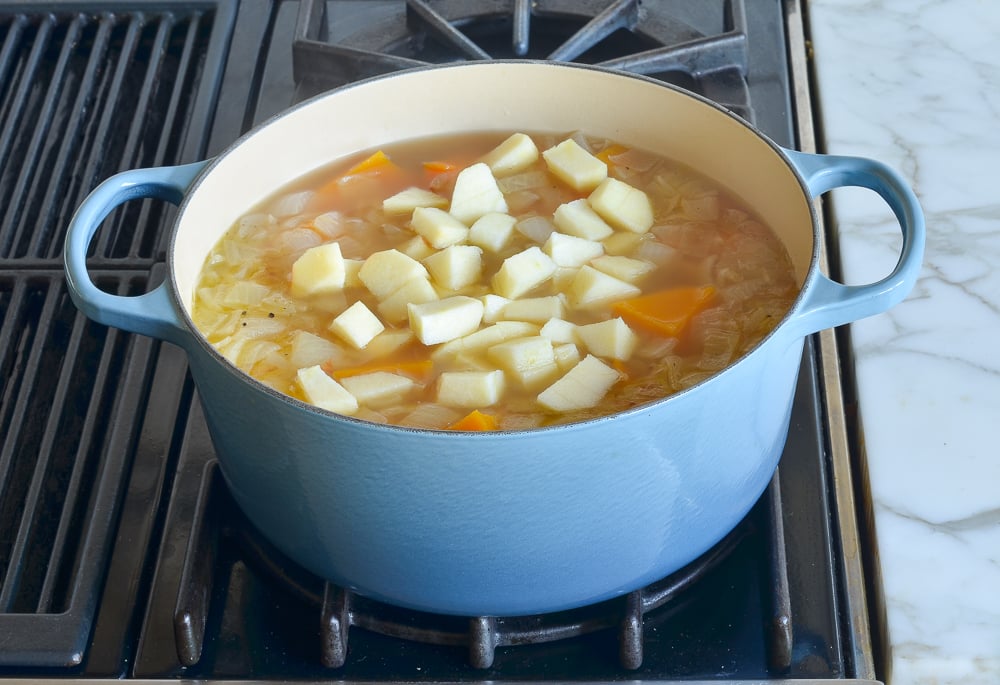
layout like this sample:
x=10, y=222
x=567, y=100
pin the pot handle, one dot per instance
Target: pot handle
x=828, y=303
x=152, y=313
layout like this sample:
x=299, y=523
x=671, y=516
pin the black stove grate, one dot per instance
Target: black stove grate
x=85, y=94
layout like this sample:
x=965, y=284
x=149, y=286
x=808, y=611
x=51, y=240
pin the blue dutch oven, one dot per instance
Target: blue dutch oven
x=499, y=523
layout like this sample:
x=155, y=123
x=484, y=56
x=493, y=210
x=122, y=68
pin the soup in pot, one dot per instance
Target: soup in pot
x=483, y=282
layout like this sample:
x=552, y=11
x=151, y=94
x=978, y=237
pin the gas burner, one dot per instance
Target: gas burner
x=340, y=44
x=339, y=609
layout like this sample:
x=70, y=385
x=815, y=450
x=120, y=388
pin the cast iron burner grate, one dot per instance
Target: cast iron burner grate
x=690, y=48
x=338, y=609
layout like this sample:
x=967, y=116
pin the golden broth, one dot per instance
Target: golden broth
x=705, y=253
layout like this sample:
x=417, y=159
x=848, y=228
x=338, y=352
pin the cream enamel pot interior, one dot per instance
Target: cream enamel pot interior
x=499, y=523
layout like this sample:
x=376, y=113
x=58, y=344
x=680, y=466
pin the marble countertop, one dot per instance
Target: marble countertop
x=916, y=84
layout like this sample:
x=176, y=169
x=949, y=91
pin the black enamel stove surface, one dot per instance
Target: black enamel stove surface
x=121, y=554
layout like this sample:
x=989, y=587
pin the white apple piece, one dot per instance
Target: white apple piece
x=611, y=339
x=416, y=248
x=352, y=267
x=574, y=166
x=415, y=291
x=582, y=387
x=623, y=243
x=438, y=227
x=492, y=231
x=531, y=361
x=522, y=272
x=405, y=201
x=578, y=218
x=492, y=306
x=476, y=193
x=567, y=356
x=535, y=309
x=357, y=325
x=484, y=338
x=383, y=273
x=515, y=154
x=592, y=288
x=324, y=392
x=456, y=266
x=623, y=268
x=318, y=271
x=444, y=320
x=569, y=250
x=563, y=277
x=470, y=389
x=387, y=342
x=379, y=388
x=559, y=331
x=622, y=206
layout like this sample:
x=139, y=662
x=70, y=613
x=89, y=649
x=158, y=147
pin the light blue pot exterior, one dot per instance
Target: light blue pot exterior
x=503, y=523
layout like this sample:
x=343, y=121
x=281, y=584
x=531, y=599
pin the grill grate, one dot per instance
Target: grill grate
x=88, y=95
x=83, y=94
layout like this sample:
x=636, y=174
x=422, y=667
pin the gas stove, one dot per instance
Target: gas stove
x=122, y=555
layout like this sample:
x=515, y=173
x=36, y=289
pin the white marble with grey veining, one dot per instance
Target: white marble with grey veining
x=916, y=84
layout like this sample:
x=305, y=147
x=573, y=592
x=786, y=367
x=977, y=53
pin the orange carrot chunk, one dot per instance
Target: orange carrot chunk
x=475, y=420
x=379, y=161
x=439, y=167
x=665, y=312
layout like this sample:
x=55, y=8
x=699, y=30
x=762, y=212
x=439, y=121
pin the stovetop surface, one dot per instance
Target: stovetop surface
x=122, y=555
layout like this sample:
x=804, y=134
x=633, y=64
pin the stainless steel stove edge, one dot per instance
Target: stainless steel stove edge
x=112, y=681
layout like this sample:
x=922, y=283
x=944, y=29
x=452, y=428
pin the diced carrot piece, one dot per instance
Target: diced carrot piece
x=665, y=312
x=420, y=368
x=475, y=420
x=378, y=161
x=610, y=151
x=439, y=167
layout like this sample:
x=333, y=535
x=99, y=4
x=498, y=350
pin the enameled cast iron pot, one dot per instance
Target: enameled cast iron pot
x=499, y=523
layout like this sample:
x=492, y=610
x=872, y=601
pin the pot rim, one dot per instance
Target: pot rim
x=778, y=331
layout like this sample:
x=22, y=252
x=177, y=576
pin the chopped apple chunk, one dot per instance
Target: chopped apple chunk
x=444, y=320
x=476, y=193
x=582, y=387
x=578, y=218
x=470, y=389
x=530, y=361
x=574, y=166
x=383, y=273
x=438, y=227
x=405, y=201
x=535, y=309
x=523, y=272
x=415, y=291
x=379, y=388
x=560, y=331
x=357, y=325
x=611, y=339
x=567, y=356
x=456, y=266
x=592, y=288
x=324, y=392
x=319, y=271
x=515, y=154
x=622, y=206
x=493, y=306
x=569, y=250
x=480, y=340
x=492, y=231
x=623, y=268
